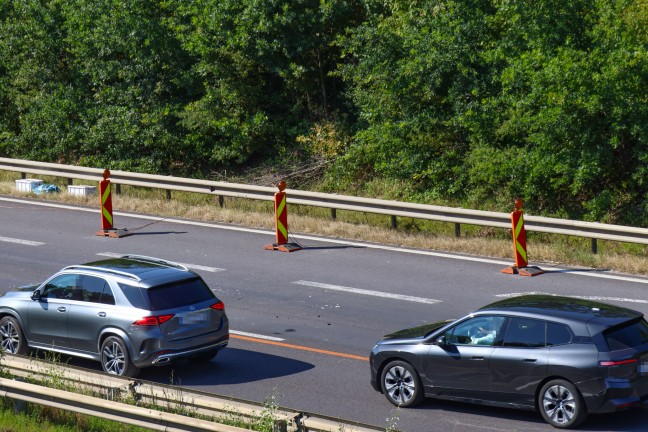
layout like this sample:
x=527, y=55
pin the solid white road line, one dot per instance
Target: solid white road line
x=191, y=266
x=367, y=292
x=20, y=241
x=596, y=298
x=595, y=274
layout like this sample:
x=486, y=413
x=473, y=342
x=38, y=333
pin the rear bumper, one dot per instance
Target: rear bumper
x=616, y=396
x=161, y=357
x=165, y=358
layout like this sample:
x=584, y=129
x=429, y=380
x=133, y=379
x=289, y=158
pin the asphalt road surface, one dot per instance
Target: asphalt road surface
x=303, y=323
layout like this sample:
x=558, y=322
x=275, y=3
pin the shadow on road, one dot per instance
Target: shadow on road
x=635, y=420
x=231, y=366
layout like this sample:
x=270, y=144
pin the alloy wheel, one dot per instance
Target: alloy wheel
x=400, y=385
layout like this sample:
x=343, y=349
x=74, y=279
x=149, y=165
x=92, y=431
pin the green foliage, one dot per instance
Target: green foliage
x=486, y=101
x=471, y=101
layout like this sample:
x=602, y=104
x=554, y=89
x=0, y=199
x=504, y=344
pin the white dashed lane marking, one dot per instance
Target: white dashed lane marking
x=21, y=241
x=367, y=292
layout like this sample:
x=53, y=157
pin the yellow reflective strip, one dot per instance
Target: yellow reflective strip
x=106, y=194
x=519, y=226
x=521, y=250
x=282, y=205
x=107, y=215
x=282, y=229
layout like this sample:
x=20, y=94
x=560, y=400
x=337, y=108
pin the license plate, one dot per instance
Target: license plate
x=643, y=367
x=200, y=317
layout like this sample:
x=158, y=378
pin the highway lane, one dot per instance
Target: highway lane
x=331, y=296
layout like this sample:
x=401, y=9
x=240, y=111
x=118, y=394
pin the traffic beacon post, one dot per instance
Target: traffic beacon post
x=281, y=222
x=105, y=196
x=521, y=266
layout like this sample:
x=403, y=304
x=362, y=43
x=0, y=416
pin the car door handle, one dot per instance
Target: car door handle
x=102, y=314
x=476, y=358
x=530, y=360
x=61, y=309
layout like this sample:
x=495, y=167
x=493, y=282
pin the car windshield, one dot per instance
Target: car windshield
x=177, y=294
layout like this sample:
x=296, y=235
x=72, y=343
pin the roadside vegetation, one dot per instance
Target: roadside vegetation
x=20, y=416
x=468, y=103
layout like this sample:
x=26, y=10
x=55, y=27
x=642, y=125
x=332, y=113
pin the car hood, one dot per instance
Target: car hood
x=415, y=333
x=23, y=291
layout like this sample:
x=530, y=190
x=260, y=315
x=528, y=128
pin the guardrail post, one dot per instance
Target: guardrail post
x=23, y=176
x=457, y=230
x=333, y=214
x=594, y=246
x=70, y=182
x=168, y=195
x=118, y=189
x=221, y=201
x=20, y=406
x=394, y=222
x=280, y=426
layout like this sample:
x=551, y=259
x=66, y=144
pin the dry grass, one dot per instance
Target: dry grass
x=543, y=249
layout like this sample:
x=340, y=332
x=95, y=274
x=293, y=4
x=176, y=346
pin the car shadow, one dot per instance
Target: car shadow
x=634, y=420
x=231, y=366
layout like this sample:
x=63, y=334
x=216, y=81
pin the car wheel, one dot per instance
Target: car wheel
x=561, y=405
x=12, y=339
x=204, y=357
x=401, y=384
x=115, y=358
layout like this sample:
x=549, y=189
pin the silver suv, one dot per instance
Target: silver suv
x=128, y=313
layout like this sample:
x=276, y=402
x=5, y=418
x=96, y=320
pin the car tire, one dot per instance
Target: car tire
x=204, y=357
x=561, y=404
x=12, y=339
x=401, y=384
x=115, y=358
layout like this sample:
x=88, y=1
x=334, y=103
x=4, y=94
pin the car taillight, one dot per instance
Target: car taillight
x=153, y=320
x=617, y=362
x=218, y=306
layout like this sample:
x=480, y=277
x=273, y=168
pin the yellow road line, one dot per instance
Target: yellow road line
x=299, y=347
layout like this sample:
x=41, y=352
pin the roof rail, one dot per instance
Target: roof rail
x=103, y=270
x=155, y=260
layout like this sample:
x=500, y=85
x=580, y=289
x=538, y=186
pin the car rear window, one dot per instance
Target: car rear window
x=627, y=336
x=179, y=294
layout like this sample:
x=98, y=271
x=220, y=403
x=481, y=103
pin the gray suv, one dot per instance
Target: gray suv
x=563, y=356
x=128, y=313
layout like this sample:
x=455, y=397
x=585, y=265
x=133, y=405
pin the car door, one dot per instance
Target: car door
x=520, y=363
x=89, y=314
x=459, y=367
x=48, y=316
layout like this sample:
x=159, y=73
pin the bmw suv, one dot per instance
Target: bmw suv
x=128, y=313
x=564, y=357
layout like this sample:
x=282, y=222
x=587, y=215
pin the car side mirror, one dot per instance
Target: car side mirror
x=36, y=295
x=442, y=341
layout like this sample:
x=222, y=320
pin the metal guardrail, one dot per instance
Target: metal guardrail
x=196, y=407
x=394, y=209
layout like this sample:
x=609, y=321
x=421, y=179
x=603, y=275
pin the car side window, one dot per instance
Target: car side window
x=97, y=290
x=525, y=333
x=60, y=287
x=558, y=334
x=482, y=330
